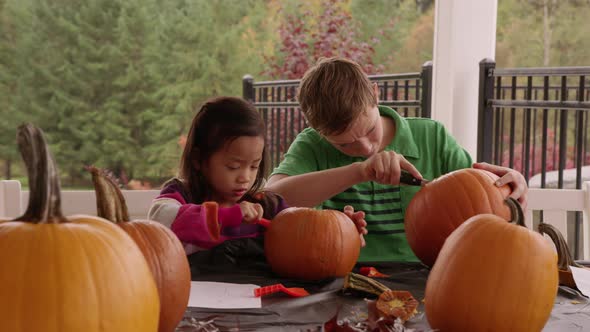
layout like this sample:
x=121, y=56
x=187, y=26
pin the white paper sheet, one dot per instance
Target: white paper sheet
x=220, y=295
x=582, y=279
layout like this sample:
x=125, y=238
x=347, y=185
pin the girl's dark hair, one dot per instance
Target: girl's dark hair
x=219, y=121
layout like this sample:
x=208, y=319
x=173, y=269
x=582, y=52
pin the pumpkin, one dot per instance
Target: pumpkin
x=492, y=276
x=445, y=203
x=564, y=256
x=79, y=273
x=310, y=244
x=161, y=248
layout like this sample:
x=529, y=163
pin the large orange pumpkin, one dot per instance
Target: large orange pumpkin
x=310, y=244
x=59, y=274
x=492, y=275
x=161, y=248
x=445, y=203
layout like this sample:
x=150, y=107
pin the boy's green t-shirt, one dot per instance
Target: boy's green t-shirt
x=423, y=142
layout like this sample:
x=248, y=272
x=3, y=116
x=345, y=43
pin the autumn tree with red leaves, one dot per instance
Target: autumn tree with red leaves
x=336, y=34
x=304, y=38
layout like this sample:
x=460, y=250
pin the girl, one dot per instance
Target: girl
x=223, y=161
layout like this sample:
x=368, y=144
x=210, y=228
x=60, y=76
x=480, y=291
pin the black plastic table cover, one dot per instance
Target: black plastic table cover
x=244, y=263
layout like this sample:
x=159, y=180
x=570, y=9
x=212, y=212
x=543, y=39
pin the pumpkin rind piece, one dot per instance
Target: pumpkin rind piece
x=397, y=304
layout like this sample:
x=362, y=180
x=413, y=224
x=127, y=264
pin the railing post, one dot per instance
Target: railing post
x=10, y=199
x=586, y=222
x=426, y=97
x=248, y=88
x=485, y=111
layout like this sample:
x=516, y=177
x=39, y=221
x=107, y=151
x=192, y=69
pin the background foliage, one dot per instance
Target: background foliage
x=115, y=83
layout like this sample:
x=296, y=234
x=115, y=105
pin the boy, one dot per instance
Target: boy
x=354, y=151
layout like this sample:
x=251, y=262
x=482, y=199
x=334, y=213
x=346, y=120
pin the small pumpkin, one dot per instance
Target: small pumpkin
x=445, y=203
x=311, y=244
x=162, y=250
x=564, y=257
x=79, y=273
x=492, y=276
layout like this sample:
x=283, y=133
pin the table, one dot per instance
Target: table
x=281, y=313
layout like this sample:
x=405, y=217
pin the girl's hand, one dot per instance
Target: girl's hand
x=511, y=177
x=358, y=218
x=251, y=212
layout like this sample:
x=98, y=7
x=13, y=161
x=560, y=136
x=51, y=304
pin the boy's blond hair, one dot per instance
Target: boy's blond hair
x=333, y=93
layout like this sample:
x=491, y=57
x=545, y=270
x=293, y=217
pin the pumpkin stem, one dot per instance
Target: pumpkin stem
x=361, y=283
x=564, y=257
x=44, y=189
x=110, y=203
x=515, y=212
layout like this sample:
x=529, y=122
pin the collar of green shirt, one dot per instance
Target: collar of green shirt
x=403, y=141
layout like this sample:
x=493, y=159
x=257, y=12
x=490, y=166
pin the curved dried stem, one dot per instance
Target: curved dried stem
x=517, y=215
x=564, y=257
x=359, y=282
x=110, y=203
x=44, y=188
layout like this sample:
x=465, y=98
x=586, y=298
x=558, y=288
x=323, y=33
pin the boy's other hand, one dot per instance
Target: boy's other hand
x=251, y=212
x=358, y=218
x=385, y=167
x=511, y=177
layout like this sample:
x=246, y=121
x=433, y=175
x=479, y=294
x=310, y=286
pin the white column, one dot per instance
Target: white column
x=464, y=34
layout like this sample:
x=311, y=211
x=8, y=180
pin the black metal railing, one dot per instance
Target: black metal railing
x=535, y=120
x=408, y=93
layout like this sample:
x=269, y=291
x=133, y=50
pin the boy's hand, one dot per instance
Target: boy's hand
x=251, y=212
x=385, y=167
x=358, y=218
x=511, y=177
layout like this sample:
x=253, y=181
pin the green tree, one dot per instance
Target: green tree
x=202, y=50
x=14, y=41
x=405, y=29
x=537, y=33
x=87, y=87
x=125, y=115
x=76, y=37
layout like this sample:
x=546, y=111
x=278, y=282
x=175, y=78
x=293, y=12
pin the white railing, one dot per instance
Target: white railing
x=14, y=200
x=555, y=204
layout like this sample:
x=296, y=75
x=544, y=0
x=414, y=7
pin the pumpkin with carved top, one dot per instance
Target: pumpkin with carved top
x=310, y=244
x=69, y=274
